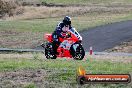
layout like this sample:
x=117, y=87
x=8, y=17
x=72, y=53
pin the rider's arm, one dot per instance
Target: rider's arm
x=59, y=30
x=70, y=27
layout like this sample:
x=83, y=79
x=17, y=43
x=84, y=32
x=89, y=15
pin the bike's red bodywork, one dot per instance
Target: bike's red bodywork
x=63, y=52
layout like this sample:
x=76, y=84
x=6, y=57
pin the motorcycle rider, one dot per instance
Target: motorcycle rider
x=61, y=28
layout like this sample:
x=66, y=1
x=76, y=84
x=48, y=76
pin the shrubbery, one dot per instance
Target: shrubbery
x=9, y=7
x=29, y=2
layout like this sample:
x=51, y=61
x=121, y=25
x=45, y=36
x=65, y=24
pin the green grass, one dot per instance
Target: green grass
x=46, y=25
x=62, y=71
x=79, y=22
x=90, y=66
x=30, y=86
x=87, y=1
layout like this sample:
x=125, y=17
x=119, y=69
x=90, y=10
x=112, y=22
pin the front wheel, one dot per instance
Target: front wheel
x=49, y=54
x=77, y=51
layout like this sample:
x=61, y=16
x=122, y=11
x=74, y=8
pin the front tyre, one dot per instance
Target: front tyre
x=49, y=54
x=77, y=51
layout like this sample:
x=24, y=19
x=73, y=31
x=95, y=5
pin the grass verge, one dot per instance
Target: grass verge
x=62, y=72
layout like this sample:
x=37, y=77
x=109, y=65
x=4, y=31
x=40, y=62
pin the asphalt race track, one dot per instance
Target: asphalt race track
x=107, y=36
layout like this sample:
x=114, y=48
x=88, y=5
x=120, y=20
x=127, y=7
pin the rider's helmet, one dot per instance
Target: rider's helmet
x=67, y=20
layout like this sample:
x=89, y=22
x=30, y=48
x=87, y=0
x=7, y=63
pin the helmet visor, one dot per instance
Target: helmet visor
x=67, y=23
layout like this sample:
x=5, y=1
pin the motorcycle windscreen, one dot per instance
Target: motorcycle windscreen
x=73, y=31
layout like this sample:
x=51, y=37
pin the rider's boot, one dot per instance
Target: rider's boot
x=55, y=47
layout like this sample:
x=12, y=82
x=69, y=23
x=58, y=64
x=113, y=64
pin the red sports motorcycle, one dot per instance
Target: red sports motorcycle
x=69, y=47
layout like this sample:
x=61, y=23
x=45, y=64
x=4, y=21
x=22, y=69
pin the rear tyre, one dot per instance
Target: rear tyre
x=49, y=53
x=77, y=52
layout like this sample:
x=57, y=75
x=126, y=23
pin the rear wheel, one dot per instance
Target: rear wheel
x=49, y=53
x=77, y=51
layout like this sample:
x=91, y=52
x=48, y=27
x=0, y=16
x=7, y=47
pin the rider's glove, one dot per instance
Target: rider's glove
x=68, y=35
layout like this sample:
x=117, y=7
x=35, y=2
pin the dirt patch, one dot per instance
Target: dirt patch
x=21, y=78
x=16, y=56
x=123, y=47
x=15, y=39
